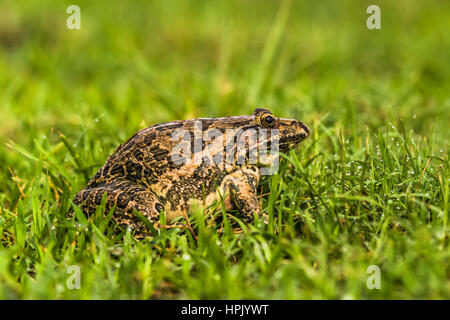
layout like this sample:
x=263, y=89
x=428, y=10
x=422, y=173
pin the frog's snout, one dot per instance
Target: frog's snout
x=301, y=130
x=305, y=128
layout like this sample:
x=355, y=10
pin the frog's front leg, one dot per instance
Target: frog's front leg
x=241, y=189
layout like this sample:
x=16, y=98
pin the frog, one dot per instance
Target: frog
x=167, y=168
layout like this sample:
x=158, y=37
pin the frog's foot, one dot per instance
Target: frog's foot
x=265, y=217
x=126, y=198
x=241, y=188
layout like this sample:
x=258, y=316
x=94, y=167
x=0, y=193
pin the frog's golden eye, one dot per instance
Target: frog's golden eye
x=267, y=120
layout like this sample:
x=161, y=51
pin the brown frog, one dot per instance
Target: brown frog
x=167, y=167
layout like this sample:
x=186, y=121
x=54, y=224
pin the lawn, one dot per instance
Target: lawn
x=367, y=194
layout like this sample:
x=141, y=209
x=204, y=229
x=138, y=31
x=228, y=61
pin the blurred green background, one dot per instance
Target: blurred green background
x=155, y=61
x=136, y=63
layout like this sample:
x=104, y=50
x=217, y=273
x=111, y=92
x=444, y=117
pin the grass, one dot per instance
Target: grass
x=369, y=187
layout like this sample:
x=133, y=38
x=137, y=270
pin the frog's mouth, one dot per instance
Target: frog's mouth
x=286, y=144
x=291, y=142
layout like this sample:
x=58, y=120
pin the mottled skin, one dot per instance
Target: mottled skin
x=141, y=174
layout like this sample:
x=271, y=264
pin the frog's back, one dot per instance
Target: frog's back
x=145, y=154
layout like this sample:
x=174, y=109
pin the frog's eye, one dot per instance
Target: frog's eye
x=267, y=120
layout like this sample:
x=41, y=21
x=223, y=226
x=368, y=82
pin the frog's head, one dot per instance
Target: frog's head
x=237, y=139
x=289, y=134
